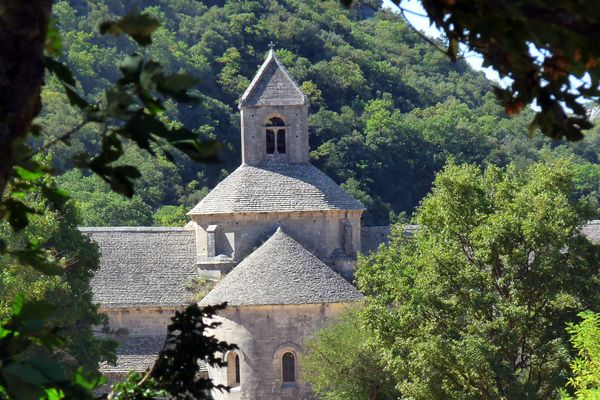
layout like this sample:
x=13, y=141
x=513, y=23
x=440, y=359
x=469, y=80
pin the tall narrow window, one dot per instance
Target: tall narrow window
x=270, y=141
x=237, y=369
x=233, y=369
x=281, y=141
x=275, y=135
x=288, y=366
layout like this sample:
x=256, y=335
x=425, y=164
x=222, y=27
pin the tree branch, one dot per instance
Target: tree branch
x=57, y=139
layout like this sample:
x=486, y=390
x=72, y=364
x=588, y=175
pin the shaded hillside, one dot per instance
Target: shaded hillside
x=387, y=109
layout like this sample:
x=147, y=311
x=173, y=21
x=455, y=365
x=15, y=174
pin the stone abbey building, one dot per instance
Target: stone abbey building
x=278, y=236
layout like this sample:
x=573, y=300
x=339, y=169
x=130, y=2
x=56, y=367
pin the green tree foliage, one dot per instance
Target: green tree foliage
x=171, y=216
x=585, y=337
x=56, y=232
x=474, y=305
x=30, y=363
x=97, y=205
x=27, y=375
x=339, y=364
x=387, y=108
x=547, y=48
x=175, y=374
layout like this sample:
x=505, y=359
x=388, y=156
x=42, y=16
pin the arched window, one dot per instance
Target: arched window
x=288, y=367
x=275, y=121
x=281, y=141
x=233, y=369
x=270, y=141
x=275, y=135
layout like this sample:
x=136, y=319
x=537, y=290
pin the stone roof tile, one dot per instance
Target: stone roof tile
x=276, y=187
x=592, y=231
x=372, y=236
x=281, y=271
x=273, y=86
x=143, y=267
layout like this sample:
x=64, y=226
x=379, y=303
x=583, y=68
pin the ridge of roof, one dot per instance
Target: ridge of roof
x=273, y=85
x=281, y=271
x=276, y=188
x=145, y=229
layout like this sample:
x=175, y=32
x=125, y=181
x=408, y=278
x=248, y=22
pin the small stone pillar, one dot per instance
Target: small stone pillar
x=211, y=241
x=347, y=237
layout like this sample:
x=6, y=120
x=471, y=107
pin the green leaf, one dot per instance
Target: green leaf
x=51, y=369
x=17, y=213
x=35, y=130
x=88, y=380
x=56, y=196
x=131, y=67
x=38, y=259
x=21, y=372
x=18, y=304
x=149, y=75
x=199, y=151
x=60, y=70
x=36, y=309
x=118, y=102
x=53, y=43
x=139, y=26
x=178, y=82
x=74, y=98
x=139, y=128
x=54, y=394
x=27, y=174
x=119, y=178
x=177, y=86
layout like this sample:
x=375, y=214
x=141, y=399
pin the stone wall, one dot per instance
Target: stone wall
x=263, y=334
x=139, y=321
x=141, y=334
x=254, y=139
x=321, y=232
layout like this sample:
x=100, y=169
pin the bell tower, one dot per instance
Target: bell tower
x=274, y=114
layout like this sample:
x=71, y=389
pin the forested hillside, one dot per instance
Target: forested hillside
x=387, y=109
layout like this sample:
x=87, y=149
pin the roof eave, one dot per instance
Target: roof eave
x=341, y=210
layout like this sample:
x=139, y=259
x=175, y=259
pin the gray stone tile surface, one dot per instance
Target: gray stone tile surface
x=143, y=267
x=281, y=271
x=276, y=187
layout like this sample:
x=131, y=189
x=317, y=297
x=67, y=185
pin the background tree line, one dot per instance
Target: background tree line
x=386, y=106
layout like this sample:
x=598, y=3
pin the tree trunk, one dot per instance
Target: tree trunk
x=373, y=393
x=23, y=29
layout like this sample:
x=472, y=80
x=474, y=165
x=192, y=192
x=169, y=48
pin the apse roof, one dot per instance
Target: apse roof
x=281, y=271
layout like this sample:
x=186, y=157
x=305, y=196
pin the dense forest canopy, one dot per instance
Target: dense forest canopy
x=387, y=109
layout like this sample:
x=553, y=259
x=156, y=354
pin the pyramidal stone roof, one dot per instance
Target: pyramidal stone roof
x=273, y=86
x=274, y=188
x=281, y=271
